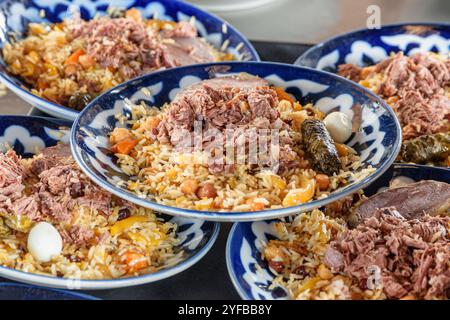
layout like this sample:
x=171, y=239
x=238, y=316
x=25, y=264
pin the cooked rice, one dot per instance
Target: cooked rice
x=302, y=244
x=158, y=171
x=139, y=247
x=41, y=58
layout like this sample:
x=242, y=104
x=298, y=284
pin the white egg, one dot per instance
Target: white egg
x=339, y=125
x=44, y=242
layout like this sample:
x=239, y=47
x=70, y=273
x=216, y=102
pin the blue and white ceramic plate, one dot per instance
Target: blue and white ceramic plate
x=17, y=291
x=27, y=135
x=250, y=274
x=369, y=46
x=377, y=142
x=16, y=15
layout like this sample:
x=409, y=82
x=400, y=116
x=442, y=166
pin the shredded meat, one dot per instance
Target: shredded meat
x=26, y=205
x=182, y=29
x=417, y=84
x=50, y=157
x=64, y=187
x=219, y=105
x=77, y=235
x=12, y=175
x=56, y=187
x=350, y=71
x=412, y=255
x=134, y=49
x=59, y=186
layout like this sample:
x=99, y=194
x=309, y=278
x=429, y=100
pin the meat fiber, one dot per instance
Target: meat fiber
x=350, y=71
x=411, y=201
x=64, y=187
x=53, y=190
x=235, y=102
x=77, y=235
x=411, y=256
x=243, y=81
x=186, y=51
x=135, y=49
x=182, y=29
x=181, y=46
x=419, y=82
x=50, y=157
x=12, y=176
x=419, y=115
x=416, y=85
x=27, y=205
x=59, y=188
x=115, y=42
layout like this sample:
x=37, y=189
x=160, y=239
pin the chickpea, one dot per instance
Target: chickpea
x=70, y=69
x=323, y=181
x=86, y=61
x=119, y=134
x=189, y=186
x=151, y=123
x=207, y=191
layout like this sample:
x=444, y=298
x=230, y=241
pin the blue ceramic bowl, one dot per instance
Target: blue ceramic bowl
x=366, y=47
x=250, y=274
x=16, y=291
x=377, y=142
x=29, y=134
x=16, y=15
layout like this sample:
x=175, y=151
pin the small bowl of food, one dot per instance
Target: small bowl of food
x=389, y=242
x=408, y=65
x=59, y=229
x=58, y=57
x=235, y=141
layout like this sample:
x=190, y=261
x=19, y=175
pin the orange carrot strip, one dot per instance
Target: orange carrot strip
x=283, y=95
x=124, y=146
x=73, y=59
x=135, y=261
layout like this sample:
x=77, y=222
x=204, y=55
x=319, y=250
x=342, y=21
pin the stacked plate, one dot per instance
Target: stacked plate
x=137, y=198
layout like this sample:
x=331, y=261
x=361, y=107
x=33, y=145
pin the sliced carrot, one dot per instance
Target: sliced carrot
x=124, y=146
x=134, y=14
x=42, y=84
x=283, y=95
x=73, y=59
x=134, y=260
x=255, y=206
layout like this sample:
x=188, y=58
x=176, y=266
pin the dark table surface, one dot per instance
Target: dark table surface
x=208, y=279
